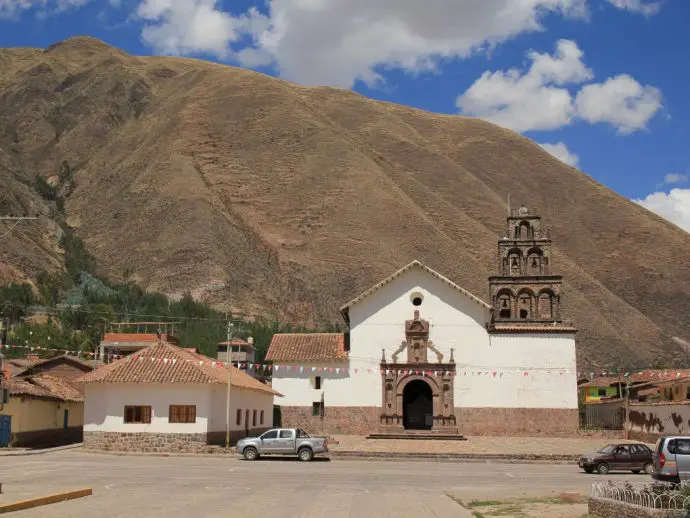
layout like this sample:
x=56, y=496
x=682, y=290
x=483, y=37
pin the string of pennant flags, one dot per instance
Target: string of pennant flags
x=461, y=370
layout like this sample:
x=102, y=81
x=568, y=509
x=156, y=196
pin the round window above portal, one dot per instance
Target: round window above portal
x=416, y=298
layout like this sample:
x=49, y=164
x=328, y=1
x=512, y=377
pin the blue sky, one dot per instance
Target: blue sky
x=601, y=83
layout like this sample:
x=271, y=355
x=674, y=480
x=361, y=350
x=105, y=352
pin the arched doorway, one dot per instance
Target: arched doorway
x=418, y=406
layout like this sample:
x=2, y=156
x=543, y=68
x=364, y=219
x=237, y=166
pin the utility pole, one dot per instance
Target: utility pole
x=227, y=397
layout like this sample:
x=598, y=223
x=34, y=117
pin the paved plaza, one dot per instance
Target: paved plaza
x=140, y=486
x=474, y=445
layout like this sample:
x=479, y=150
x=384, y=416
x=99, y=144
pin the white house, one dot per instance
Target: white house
x=424, y=354
x=166, y=398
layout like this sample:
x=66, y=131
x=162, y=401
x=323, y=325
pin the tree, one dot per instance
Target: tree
x=49, y=288
x=44, y=189
x=77, y=258
x=14, y=299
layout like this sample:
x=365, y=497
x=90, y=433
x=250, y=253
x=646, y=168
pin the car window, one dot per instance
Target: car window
x=271, y=434
x=682, y=447
x=286, y=434
x=622, y=449
x=609, y=448
x=644, y=448
x=671, y=446
x=634, y=448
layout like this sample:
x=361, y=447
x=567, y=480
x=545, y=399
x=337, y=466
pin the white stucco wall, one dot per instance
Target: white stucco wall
x=104, y=407
x=240, y=399
x=457, y=322
x=536, y=387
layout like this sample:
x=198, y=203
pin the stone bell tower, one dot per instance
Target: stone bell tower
x=525, y=291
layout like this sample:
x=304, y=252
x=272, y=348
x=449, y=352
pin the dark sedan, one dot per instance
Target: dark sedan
x=633, y=457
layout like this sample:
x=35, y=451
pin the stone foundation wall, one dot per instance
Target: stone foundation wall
x=218, y=438
x=552, y=422
x=470, y=421
x=47, y=438
x=146, y=442
x=604, y=508
x=337, y=420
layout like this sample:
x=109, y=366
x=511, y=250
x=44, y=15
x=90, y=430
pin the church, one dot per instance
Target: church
x=423, y=355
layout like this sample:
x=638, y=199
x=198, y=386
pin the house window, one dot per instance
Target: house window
x=137, y=414
x=254, y=418
x=317, y=382
x=262, y=417
x=602, y=392
x=182, y=414
x=316, y=408
x=239, y=417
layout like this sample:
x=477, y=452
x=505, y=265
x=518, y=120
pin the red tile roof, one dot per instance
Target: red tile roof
x=658, y=375
x=168, y=363
x=604, y=381
x=44, y=387
x=32, y=364
x=130, y=337
x=307, y=347
x=499, y=327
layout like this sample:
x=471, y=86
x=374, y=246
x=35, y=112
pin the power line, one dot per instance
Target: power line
x=17, y=220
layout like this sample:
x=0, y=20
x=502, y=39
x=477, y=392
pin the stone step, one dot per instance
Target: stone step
x=416, y=435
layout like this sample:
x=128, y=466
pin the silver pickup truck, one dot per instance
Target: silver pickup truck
x=282, y=441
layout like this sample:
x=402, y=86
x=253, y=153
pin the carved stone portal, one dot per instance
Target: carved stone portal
x=418, y=394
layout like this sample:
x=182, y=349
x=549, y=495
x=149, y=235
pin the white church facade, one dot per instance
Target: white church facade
x=422, y=353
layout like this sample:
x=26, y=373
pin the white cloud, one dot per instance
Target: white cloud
x=561, y=151
x=534, y=100
x=12, y=8
x=620, y=101
x=637, y=6
x=540, y=98
x=673, y=206
x=337, y=42
x=672, y=178
x=192, y=26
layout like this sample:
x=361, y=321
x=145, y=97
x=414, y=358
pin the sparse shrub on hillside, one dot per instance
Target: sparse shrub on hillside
x=77, y=257
x=44, y=189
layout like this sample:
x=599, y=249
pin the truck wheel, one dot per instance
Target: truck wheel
x=250, y=453
x=603, y=468
x=305, y=454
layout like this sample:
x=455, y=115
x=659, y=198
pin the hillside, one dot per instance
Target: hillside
x=264, y=196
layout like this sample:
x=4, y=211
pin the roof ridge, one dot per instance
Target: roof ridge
x=415, y=263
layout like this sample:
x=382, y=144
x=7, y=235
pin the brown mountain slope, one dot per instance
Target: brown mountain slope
x=265, y=196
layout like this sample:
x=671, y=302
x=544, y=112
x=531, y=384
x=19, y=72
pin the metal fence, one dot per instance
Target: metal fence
x=603, y=416
x=650, y=498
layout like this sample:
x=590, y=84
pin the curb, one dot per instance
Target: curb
x=458, y=457
x=358, y=455
x=15, y=453
x=44, y=500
